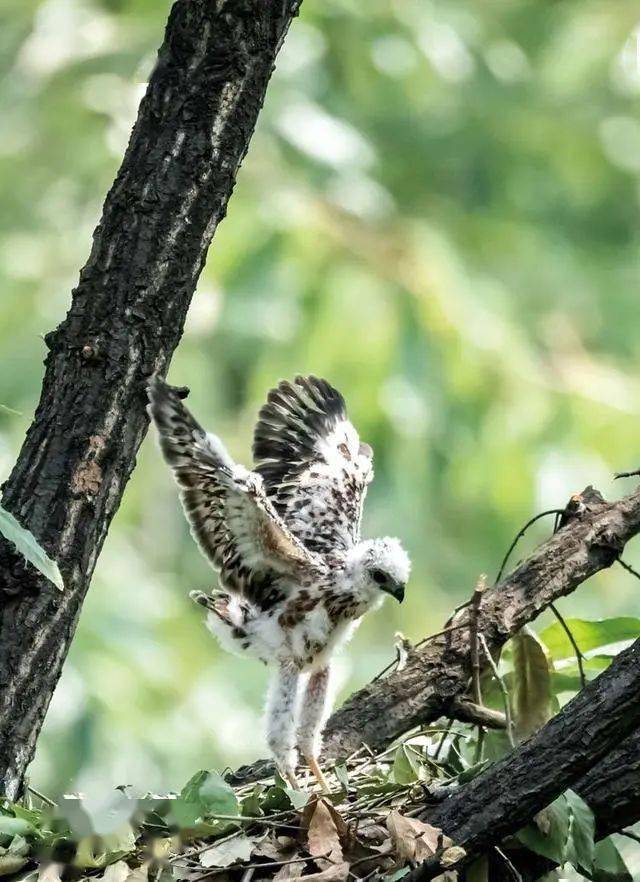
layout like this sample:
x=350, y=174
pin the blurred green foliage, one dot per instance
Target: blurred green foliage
x=439, y=213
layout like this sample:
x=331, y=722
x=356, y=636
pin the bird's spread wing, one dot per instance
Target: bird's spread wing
x=315, y=468
x=231, y=517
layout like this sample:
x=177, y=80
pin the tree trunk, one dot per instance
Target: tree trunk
x=125, y=320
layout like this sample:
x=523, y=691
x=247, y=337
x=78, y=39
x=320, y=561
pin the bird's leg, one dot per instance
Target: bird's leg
x=282, y=703
x=313, y=713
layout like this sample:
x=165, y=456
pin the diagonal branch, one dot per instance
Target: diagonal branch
x=125, y=320
x=481, y=813
x=590, y=540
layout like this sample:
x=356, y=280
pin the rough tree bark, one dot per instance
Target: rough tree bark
x=436, y=675
x=481, y=813
x=125, y=320
x=611, y=789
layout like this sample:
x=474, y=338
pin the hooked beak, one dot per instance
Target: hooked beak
x=396, y=590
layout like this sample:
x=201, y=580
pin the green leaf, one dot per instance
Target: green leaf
x=406, y=766
x=341, y=773
x=217, y=796
x=582, y=828
x=33, y=816
x=204, y=796
x=252, y=804
x=28, y=546
x=532, y=684
x=563, y=832
x=10, y=827
x=478, y=871
x=276, y=799
x=472, y=771
x=297, y=798
x=548, y=833
x=608, y=863
x=590, y=636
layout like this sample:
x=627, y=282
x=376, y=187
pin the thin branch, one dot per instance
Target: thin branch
x=572, y=641
x=445, y=734
x=476, y=690
x=301, y=859
x=634, y=474
x=476, y=601
x=508, y=864
x=503, y=689
x=520, y=534
x=45, y=799
x=393, y=664
x=478, y=714
x=628, y=568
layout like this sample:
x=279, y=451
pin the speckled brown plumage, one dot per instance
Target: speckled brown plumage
x=285, y=540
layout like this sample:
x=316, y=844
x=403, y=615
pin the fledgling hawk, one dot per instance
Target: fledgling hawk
x=295, y=577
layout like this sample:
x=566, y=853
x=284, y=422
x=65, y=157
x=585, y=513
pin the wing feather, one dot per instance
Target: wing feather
x=315, y=468
x=231, y=516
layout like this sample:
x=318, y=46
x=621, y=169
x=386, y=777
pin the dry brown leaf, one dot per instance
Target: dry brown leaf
x=290, y=871
x=338, y=820
x=272, y=849
x=334, y=873
x=413, y=839
x=452, y=856
x=371, y=832
x=323, y=840
x=231, y=851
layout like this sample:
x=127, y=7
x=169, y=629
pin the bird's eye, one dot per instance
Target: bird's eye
x=378, y=577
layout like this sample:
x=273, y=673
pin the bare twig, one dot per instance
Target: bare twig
x=520, y=534
x=445, y=734
x=41, y=796
x=633, y=474
x=300, y=859
x=508, y=864
x=476, y=690
x=503, y=688
x=476, y=600
x=422, y=642
x=572, y=641
x=628, y=568
x=477, y=714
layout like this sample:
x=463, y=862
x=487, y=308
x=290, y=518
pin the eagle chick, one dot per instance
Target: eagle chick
x=295, y=577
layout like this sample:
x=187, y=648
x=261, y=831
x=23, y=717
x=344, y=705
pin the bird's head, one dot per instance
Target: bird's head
x=381, y=565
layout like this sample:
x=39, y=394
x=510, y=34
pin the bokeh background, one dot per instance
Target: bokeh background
x=439, y=213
